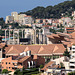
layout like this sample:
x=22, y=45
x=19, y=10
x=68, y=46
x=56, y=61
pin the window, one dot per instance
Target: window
x=72, y=62
x=73, y=51
x=9, y=62
x=0, y=49
x=71, y=66
x=9, y=67
x=6, y=62
x=73, y=48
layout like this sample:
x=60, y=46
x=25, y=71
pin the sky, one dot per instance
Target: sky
x=8, y=6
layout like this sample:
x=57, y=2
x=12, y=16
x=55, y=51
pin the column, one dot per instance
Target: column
x=5, y=35
x=18, y=36
x=42, y=38
x=22, y=33
x=32, y=63
x=28, y=64
x=35, y=36
x=13, y=37
x=9, y=36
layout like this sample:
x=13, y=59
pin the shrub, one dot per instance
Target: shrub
x=41, y=66
x=5, y=71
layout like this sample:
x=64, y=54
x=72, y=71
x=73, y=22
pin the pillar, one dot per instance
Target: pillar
x=32, y=63
x=40, y=36
x=35, y=36
x=22, y=33
x=13, y=37
x=18, y=36
x=28, y=64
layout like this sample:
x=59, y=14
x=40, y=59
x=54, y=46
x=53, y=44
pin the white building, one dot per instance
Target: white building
x=72, y=64
x=20, y=18
x=27, y=20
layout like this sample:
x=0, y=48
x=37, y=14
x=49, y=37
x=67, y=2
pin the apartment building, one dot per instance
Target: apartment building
x=15, y=15
x=9, y=19
x=27, y=20
x=25, y=59
x=69, y=29
x=72, y=60
x=48, y=52
x=20, y=18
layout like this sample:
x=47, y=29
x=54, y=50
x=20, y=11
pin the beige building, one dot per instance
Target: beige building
x=15, y=15
x=20, y=18
x=27, y=20
x=9, y=19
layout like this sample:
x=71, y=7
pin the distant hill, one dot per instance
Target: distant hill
x=52, y=11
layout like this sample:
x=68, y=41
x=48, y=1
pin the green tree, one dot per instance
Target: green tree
x=66, y=53
x=5, y=71
x=71, y=73
x=41, y=66
x=52, y=30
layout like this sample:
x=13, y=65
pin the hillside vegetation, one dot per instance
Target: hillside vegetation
x=64, y=8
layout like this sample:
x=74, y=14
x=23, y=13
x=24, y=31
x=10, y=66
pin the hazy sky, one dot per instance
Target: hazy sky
x=8, y=6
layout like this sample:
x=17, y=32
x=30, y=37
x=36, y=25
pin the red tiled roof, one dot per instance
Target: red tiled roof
x=23, y=59
x=48, y=64
x=35, y=49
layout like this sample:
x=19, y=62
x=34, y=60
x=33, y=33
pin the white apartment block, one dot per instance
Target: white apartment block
x=72, y=64
x=20, y=18
x=27, y=20
x=72, y=60
x=73, y=51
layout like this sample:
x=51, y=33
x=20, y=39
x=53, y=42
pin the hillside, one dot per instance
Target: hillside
x=52, y=11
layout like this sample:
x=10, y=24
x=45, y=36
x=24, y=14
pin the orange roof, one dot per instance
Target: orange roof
x=48, y=64
x=23, y=59
x=46, y=26
x=14, y=49
x=73, y=35
x=69, y=28
x=36, y=49
x=51, y=65
x=53, y=36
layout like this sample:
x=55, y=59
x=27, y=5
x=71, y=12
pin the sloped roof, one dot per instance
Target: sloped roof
x=51, y=65
x=48, y=64
x=35, y=49
x=23, y=59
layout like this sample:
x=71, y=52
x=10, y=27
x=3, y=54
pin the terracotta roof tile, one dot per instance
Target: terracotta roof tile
x=23, y=59
x=48, y=64
x=35, y=49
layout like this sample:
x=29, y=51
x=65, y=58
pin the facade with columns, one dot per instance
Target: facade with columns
x=37, y=36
